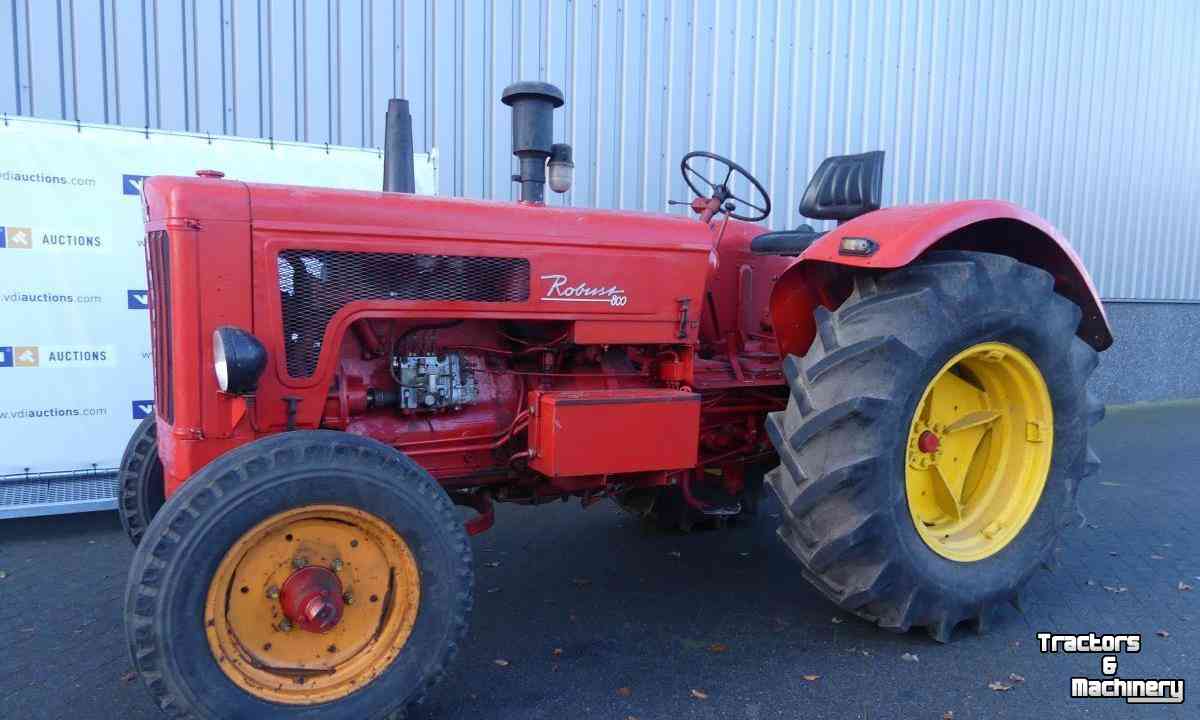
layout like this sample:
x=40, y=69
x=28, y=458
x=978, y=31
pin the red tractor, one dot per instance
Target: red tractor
x=335, y=371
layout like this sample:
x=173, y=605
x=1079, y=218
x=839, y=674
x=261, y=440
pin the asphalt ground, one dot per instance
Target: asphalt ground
x=595, y=616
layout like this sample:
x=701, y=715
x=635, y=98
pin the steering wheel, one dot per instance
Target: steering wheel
x=721, y=191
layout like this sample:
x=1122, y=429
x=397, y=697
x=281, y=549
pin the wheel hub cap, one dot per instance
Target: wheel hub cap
x=928, y=442
x=979, y=451
x=312, y=599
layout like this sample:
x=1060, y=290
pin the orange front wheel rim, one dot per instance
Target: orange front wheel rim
x=312, y=604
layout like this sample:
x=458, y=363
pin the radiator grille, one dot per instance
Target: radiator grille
x=158, y=284
x=314, y=285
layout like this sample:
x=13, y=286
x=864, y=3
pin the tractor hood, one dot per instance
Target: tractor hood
x=618, y=277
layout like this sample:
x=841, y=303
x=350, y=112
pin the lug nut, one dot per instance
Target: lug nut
x=299, y=562
x=337, y=565
x=273, y=592
x=348, y=598
x=285, y=625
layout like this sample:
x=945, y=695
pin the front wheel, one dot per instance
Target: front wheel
x=935, y=440
x=140, y=481
x=307, y=572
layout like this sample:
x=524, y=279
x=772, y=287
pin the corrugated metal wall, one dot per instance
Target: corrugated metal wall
x=1087, y=111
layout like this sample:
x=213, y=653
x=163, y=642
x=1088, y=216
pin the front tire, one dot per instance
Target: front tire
x=140, y=490
x=877, y=528
x=208, y=618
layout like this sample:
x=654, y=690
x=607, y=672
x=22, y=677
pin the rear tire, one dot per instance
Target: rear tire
x=844, y=439
x=140, y=481
x=170, y=622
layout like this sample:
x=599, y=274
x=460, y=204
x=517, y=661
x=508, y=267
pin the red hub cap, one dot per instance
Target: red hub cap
x=312, y=599
x=928, y=442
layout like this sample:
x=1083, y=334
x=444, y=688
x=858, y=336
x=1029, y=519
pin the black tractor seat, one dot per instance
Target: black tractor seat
x=785, y=242
x=842, y=188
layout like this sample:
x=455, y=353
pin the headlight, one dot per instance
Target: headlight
x=238, y=360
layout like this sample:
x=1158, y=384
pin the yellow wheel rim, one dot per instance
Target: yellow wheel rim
x=979, y=451
x=263, y=652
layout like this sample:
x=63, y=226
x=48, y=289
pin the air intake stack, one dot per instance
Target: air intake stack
x=533, y=105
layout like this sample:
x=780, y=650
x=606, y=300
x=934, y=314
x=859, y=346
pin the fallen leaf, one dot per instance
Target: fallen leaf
x=580, y=582
x=674, y=554
x=631, y=717
x=1112, y=553
x=948, y=715
x=1157, y=557
x=1093, y=526
x=718, y=648
x=744, y=554
x=999, y=686
x=129, y=676
x=492, y=564
x=554, y=667
x=699, y=694
x=493, y=590
x=1091, y=583
x=1109, y=483
x=3, y=574
x=909, y=657
x=501, y=662
x=1163, y=634
x=1015, y=678
x=624, y=691
x=557, y=652
x=837, y=621
x=1118, y=589
x=1184, y=587
x=812, y=678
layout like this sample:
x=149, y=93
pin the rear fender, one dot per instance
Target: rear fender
x=820, y=276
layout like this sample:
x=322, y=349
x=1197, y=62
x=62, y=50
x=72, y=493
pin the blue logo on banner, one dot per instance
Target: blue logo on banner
x=1, y=237
x=142, y=409
x=6, y=356
x=132, y=184
x=138, y=299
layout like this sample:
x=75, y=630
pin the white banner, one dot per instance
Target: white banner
x=75, y=375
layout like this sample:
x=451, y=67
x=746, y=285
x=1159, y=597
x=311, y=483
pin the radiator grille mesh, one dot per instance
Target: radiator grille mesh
x=158, y=267
x=315, y=285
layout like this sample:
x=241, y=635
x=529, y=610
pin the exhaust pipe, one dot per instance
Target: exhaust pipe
x=398, y=172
